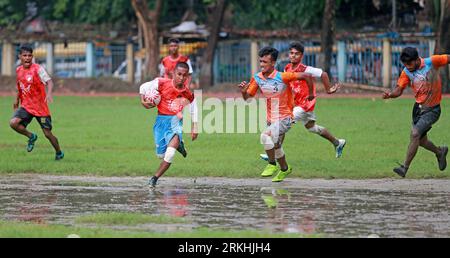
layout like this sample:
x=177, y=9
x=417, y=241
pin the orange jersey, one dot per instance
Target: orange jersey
x=425, y=81
x=280, y=101
x=31, y=86
x=169, y=65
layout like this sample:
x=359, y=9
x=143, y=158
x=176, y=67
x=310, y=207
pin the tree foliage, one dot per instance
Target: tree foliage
x=70, y=11
x=248, y=14
x=12, y=12
x=268, y=14
x=308, y=15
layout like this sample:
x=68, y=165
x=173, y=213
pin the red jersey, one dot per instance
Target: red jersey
x=169, y=65
x=173, y=100
x=300, y=88
x=31, y=86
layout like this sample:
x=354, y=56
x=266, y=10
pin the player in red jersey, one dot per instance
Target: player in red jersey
x=304, y=108
x=33, y=100
x=169, y=62
x=167, y=131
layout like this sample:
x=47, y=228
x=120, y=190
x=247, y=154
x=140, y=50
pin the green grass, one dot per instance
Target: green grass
x=129, y=219
x=30, y=230
x=112, y=136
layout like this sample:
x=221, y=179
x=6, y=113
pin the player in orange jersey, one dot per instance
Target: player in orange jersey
x=304, y=109
x=280, y=103
x=422, y=75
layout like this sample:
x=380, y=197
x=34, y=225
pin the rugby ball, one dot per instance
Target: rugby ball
x=153, y=97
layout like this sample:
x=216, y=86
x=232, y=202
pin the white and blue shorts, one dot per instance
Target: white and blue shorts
x=165, y=128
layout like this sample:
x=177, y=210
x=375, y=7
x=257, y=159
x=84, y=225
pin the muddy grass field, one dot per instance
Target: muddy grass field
x=57, y=206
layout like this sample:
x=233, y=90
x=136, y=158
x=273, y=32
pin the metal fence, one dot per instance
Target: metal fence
x=363, y=58
x=70, y=60
x=232, y=62
x=1, y=56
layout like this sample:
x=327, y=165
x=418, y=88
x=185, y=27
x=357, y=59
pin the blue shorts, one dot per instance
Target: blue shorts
x=165, y=128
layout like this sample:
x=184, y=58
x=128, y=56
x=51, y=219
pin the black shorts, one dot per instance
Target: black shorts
x=44, y=121
x=425, y=117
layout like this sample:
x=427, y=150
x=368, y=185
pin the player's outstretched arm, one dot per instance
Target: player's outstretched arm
x=393, y=94
x=244, y=87
x=327, y=85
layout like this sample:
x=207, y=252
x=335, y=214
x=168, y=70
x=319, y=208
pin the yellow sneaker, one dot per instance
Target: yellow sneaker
x=282, y=175
x=269, y=170
x=270, y=201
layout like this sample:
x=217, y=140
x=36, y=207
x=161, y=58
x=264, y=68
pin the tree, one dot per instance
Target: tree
x=445, y=41
x=328, y=33
x=443, y=37
x=215, y=15
x=12, y=12
x=269, y=15
x=92, y=12
x=148, y=20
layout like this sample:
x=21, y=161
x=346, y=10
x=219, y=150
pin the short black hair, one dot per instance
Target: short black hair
x=182, y=65
x=297, y=46
x=25, y=48
x=269, y=51
x=409, y=54
x=173, y=40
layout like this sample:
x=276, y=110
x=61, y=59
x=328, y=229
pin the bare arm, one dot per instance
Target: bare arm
x=49, y=97
x=194, y=133
x=393, y=94
x=16, y=101
x=244, y=86
x=146, y=104
x=309, y=81
x=194, y=116
x=326, y=84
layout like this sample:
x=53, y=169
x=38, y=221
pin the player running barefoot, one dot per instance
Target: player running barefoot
x=32, y=101
x=304, y=108
x=168, y=127
x=275, y=87
x=422, y=75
